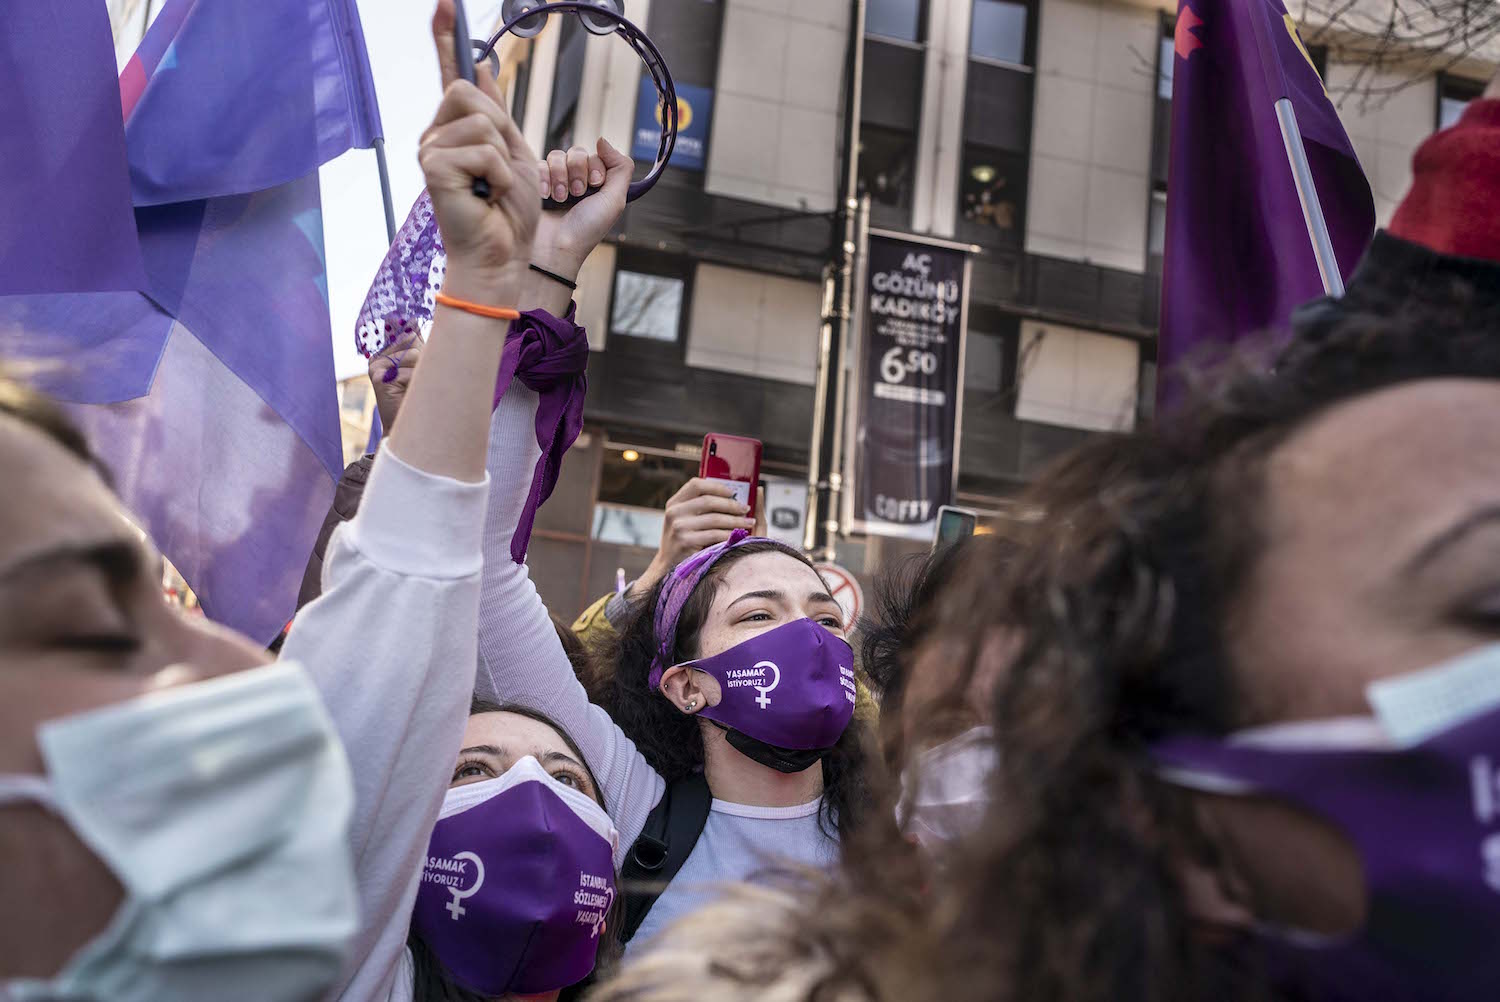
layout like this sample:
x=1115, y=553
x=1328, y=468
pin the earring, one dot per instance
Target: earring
x=690, y=706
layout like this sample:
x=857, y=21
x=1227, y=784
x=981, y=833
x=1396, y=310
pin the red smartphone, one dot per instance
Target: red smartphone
x=733, y=461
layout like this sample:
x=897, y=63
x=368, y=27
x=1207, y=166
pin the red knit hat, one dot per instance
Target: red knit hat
x=1454, y=203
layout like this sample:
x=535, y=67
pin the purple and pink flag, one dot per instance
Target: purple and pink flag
x=1238, y=259
x=210, y=390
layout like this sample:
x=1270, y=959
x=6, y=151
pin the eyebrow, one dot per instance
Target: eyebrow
x=545, y=758
x=775, y=595
x=1450, y=537
x=116, y=560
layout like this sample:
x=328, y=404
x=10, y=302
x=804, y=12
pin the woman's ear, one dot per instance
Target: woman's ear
x=688, y=689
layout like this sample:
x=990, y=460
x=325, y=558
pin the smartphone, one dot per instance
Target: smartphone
x=953, y=524
x=733, y=461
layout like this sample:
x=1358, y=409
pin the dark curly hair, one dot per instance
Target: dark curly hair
x=1072, y=891
x=919, y=598
x=671, y=741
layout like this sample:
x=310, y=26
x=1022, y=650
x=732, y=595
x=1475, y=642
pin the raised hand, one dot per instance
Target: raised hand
x=488, y=242
x=390, y=376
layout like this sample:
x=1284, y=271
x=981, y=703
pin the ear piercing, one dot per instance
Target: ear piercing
x=690, y=706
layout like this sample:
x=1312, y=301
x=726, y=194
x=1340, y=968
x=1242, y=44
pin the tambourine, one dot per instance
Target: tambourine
x=400, y=301
x=526, y=18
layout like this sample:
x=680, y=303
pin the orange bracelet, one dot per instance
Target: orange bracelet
x=493, y=312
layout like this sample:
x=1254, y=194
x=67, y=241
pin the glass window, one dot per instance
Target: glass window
x=1450, y=110
x=1164, y=68
x=984, y=363
x=1454, y=95
x=894, y=19
x=1156, y=227
x=999, y=31
x=990, y=190
x=887, y=161
x=646, y=305
x=628, y=526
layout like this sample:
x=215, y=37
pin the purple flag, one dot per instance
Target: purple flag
x=268, y=91
x=65, y=222
x=219, y=413
x=1238, y=258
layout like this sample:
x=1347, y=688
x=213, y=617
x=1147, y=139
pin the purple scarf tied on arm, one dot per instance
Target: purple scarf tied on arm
x=547, y=354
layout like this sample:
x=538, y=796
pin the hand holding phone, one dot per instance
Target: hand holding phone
x=734, y=462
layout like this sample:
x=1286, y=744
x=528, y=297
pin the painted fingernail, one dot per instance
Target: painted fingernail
x=578, y=187
x=596, y=177
x=560, y=192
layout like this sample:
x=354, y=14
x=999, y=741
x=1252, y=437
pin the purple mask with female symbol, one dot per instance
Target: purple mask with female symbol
x=517, y=884
x=792, y=687
x=786, y=695
x=1416, y=789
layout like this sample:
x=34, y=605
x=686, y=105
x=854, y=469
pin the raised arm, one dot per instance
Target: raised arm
x=391, y=641
x=520, y=658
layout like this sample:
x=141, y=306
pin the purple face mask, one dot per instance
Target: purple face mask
x=518, y=882
x=792, y=687
x=1417, y=791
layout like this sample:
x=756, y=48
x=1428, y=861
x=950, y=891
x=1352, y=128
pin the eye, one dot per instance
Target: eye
x=472, y=769
x=757, y=617
x=569, y=779
x=834, y=623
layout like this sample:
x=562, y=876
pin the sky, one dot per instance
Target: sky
x=398, y=35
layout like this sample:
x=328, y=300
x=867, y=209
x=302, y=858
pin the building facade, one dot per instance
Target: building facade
x=1035, y=129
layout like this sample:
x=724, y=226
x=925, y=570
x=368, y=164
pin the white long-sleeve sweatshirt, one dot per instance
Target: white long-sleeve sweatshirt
x=390, y=644
x=521, y=661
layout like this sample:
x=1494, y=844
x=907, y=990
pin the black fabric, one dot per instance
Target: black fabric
x=787, y=760
x=672, y=829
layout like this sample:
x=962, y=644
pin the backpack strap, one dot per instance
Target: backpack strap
x=672, y=829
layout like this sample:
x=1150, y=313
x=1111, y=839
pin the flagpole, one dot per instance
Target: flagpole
x=1307, y=194
x=385, y=190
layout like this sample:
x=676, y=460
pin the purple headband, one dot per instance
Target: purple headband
x=681, y=583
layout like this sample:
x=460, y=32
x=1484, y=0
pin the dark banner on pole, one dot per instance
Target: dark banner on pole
x=910, y=349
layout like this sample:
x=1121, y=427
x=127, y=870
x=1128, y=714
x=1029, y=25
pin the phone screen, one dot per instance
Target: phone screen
x=954, y=524
x=734, y=462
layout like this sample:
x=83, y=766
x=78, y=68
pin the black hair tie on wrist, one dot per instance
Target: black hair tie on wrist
x=572, y=286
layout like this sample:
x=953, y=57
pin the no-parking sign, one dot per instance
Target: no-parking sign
x=844, y=587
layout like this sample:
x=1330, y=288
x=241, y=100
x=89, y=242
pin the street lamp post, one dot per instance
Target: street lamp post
x=825, y=454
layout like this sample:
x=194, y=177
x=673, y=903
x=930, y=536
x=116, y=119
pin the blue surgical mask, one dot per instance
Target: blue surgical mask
x=222, y=808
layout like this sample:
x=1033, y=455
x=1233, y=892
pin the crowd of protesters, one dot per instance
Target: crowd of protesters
x=1222, y=723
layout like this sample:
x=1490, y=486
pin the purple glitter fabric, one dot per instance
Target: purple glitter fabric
x=400, y=300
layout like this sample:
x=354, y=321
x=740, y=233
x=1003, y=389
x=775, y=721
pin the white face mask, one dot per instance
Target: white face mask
x=222, y=808
x=945, y=790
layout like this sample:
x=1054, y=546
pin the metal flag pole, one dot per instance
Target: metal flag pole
x=1307, y=194
x=385, y=190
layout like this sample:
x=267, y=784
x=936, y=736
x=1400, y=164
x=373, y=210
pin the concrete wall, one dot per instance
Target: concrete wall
x=754, y=324
x=777, y=102
x=1077, y=378
x=1091, y=137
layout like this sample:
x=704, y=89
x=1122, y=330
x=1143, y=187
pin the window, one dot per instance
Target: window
x=998, y=31
x=887, y=162
x=1156, y=228
x=571, y=48
x=1454, y=95
x=992, y=194
x=899, y=19
x=989, y=366
x=647, y=304
x=1165, y=64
